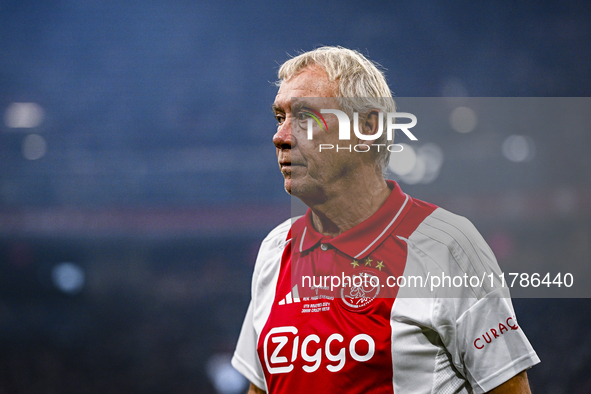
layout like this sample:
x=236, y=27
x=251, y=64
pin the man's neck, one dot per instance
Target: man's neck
x=348, y=206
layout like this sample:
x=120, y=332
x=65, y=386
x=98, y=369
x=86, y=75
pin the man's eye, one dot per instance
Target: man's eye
x=303, y=115
x=280, y=119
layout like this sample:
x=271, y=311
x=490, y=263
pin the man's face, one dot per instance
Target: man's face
x=308, y=173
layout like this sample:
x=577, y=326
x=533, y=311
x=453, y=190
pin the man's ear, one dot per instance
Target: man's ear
x=370, y=126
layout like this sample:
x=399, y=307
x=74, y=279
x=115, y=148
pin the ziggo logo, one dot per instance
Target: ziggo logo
x=316, y=358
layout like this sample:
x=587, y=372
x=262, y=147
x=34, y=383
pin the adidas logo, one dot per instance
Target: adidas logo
x=291, y=297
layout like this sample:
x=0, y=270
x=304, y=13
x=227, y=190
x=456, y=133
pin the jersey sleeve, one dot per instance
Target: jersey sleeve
x=492, y=345
x=475, y=320
x=245, y=358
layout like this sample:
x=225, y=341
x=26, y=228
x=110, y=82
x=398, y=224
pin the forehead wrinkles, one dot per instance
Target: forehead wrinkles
x=311, y=82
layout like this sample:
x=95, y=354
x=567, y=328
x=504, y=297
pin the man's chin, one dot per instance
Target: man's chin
x=292, y=188
x=297, y=189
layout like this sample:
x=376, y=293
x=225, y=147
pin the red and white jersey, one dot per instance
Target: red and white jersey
x=406, y=339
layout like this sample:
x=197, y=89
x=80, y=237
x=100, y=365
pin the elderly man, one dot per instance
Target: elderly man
x=306, y=335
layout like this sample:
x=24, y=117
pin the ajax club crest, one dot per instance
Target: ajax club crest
x=363, y=290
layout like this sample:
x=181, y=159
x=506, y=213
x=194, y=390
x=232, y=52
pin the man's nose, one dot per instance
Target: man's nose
x=282, y=138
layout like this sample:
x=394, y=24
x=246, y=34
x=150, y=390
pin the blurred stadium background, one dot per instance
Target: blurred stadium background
x=137, y=174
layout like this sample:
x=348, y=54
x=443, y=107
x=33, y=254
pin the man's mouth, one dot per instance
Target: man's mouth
x=287, y=166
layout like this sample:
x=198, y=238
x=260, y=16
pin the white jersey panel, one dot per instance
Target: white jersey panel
x=245, y=359
x=264, y=280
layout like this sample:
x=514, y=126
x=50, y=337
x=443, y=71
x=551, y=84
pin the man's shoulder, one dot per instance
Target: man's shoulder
x=440, y=228
x=278, y=238
x=268, y=259
x=450, y=244
x=454, y=232
x=449, y=225
x=280, y=232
